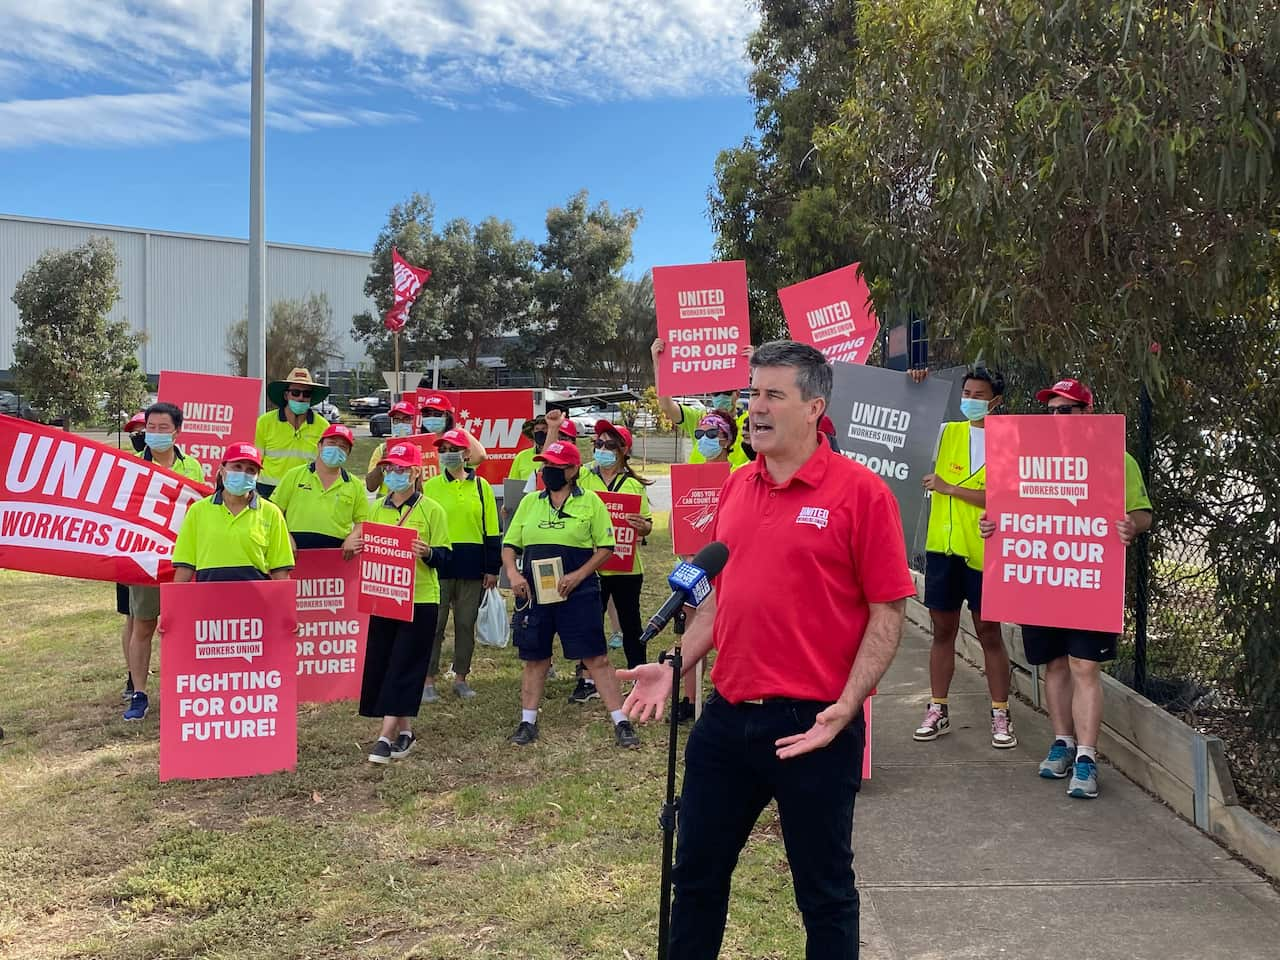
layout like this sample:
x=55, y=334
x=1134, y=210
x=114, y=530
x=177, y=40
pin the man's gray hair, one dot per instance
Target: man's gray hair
x=813, y=373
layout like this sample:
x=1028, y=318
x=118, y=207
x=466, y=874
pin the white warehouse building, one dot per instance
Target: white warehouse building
x=186, y=291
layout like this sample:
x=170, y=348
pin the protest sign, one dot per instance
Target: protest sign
x=228, y=679
x=702, y=316
x=388, y=569
x=216, y=412
x=495, y=418
x=625, y=537
x=834, y=313
x=1055, y=489
x=331, y=631
x=72, y=507
x=695, y=497
x=430, y=455
x=890, y=425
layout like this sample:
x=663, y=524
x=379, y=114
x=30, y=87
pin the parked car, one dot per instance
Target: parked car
x=380, y=425
x=14, y=406
x=327, y=410
x=379, y=402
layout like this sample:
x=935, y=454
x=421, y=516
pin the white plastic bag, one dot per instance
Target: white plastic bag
x=491, y=624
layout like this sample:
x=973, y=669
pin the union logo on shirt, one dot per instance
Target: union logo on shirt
x=815, y=516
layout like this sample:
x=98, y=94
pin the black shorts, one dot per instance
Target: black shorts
x=576, y=619
x=1043, y=644
x=949, y=581
x=122, y=599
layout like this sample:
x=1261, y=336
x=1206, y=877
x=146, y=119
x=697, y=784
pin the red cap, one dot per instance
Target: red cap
x=622, y=433
x=341, y=431
x=1071, y=389
x=137, y=422
x=435, y=401
x=403, y=455
x=243, y=451
x=456, y=437
x=404, y=408
x=826, y=426
x=568, y=428
x=560, y=454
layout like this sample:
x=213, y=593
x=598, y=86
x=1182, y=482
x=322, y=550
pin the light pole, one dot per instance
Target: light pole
x=257, y=346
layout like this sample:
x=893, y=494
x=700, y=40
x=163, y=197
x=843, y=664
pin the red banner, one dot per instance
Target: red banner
x=495, y=418
x=216, y=412
x=624, y=535
x=73, y=507
x=407, y=282
x=387, y=571
x=1055, y=489
x=228, y=684
x=702, y=315
x=331, y=631
x=834, y=313
x=695, y=496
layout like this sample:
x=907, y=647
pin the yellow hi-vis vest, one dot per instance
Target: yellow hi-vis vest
x=284, y=448
x=953, y=524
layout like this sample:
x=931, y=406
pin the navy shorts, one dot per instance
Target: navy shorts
x=949, y=581
x=122, y=599
x=1043, y=644
x=576, y=619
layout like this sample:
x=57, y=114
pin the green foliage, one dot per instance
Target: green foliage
x=67, y=356
x=649, y=403
x=299, y=334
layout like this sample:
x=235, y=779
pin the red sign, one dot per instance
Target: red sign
x=228, y=680
x=834, y=313
x=702, y=315
x=1055, y=489
x=216, y=412
x=430, y=455
x=407, y=282
x=495, y=418
x=625, y=537
x=695, y=497
x=73, y=507
x=387, y=571
x=331, y=631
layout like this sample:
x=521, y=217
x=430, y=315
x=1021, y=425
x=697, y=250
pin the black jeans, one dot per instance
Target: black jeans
x=731, y=773
x=624, y=588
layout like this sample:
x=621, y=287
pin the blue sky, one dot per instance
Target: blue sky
x=136, y=113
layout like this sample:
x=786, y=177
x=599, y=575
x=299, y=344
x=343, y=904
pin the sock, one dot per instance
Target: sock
x=588, y=681
x=617, y=716
x=406, y=733
x=1069, y=741
x=1000, y=705
x=940, y=701
x=529, y=716
x=385, y=740
x=1087, y=753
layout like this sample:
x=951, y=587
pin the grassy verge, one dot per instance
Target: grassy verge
x=470, y=847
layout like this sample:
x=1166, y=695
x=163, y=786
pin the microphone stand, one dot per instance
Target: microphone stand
x=667, y=816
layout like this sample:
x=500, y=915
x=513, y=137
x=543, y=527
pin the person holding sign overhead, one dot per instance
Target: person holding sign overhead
x=472, y=568
x=1073, y=659
x=322, y=503
x=686, y=417
x=289, y=435
x=561, y=537
x=397, y=651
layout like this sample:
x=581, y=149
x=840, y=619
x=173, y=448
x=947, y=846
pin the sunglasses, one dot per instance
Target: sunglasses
x=607, y=445
x=1068, y=408
x=300, y=394
x=713, y=434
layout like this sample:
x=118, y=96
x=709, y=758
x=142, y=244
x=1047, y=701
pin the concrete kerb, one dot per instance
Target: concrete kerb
x=1153, y=748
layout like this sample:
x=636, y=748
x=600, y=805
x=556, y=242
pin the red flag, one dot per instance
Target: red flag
x=407, y=281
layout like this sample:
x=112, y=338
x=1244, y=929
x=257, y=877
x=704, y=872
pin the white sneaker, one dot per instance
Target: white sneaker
x=935, y=724
x=1002, y=736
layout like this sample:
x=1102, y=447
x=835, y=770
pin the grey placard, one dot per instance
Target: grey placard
x=890, y=425
x=512, y=493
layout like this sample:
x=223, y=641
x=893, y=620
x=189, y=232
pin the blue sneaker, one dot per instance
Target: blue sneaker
x=1058, y=763
x=615, y=641
x=137, y=706
x=1084, y=781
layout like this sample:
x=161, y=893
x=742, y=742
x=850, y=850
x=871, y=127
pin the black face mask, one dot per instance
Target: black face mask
x=539, y=438
x=139, y=441
x=554, y=479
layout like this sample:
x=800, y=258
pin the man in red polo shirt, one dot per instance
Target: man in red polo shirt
x=805, y=619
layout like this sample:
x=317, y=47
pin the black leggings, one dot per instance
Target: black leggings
x=624, y=588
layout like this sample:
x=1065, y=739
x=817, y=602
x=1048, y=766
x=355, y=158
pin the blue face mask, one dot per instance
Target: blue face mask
x=724, y=402
x=238, y=483
x=606, y=459
x=397, y=482
x=709, y=447
x=433, y=424
x=333, y=456
x=451, y=460
x=401, y=429
x=159, y=442
x=299, y=406
x=974, y=409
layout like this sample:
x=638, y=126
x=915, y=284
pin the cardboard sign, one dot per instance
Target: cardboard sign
x=625, y=537
x=216, y=412
x=388, y=569
x=331, y=630
x=890, y=425
x=495, y=418
x=228, y=679
x=834, y=313
x=703, y=317
x=1055, y=489
x=72, y=507
x=695, y=497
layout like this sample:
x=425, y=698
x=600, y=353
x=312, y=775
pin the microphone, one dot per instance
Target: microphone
x=690, y=584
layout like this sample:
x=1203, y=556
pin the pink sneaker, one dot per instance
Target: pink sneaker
x=935, y=723
x=1002, y=736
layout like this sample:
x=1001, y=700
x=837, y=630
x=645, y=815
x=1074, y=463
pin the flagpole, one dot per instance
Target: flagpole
x=395, y=337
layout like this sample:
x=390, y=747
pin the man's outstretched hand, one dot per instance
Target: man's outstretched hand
x=648, y=698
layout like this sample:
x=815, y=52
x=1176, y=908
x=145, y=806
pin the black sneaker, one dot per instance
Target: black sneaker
x=404, y=743
x=626, y=735
x=381, y=752
x=684, y=712
x=525, y=734
x=584, y=691
x=127, y=694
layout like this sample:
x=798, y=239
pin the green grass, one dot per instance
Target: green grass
x=470, y=847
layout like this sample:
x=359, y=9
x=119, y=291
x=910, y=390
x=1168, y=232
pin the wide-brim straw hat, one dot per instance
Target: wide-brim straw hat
x=298, y=377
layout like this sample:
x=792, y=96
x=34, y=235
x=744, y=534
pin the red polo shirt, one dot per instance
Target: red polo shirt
x=805, y=559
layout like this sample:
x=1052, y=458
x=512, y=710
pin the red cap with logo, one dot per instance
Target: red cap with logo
x=568, y=428
x=455, y=437
x=342, y=432
x=560, y=454
x=405, y=409
x=435, y=401
x=243, y=451
x=1070, y=389
x=622, y=433
x=403, y=455
x=137, y=422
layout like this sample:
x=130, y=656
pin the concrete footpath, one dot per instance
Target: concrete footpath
x=962, y=851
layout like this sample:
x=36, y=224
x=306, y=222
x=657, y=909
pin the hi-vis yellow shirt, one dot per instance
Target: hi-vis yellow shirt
x=428, y=518
x=310, y=508
x=953, y=524
x=220, y=545
x=284, y=448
